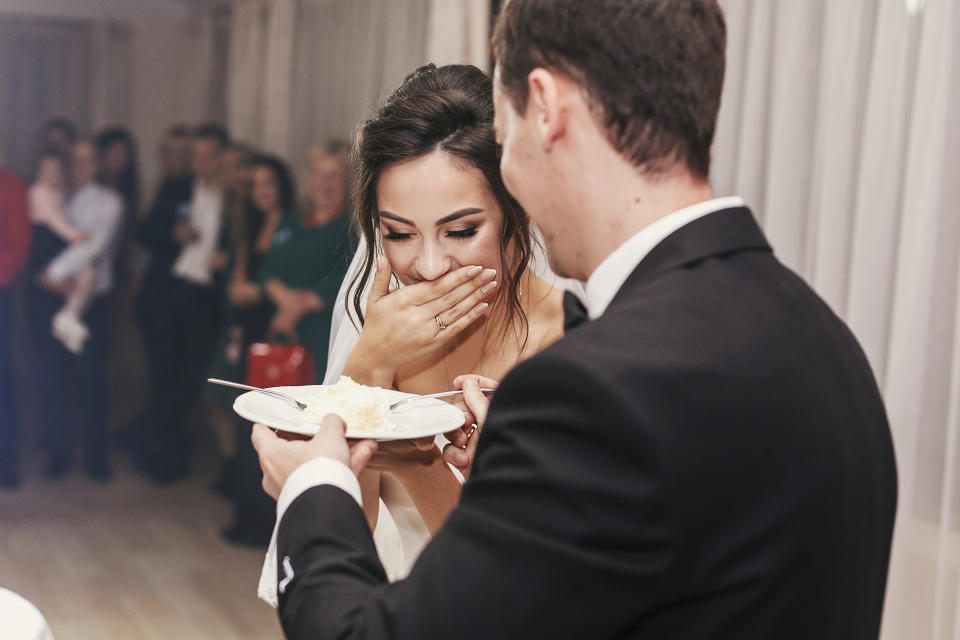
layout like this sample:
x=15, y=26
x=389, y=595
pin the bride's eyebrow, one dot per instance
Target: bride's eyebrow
x=456, y=215
x=396, y=218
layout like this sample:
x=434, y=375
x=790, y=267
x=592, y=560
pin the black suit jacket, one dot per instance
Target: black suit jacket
x=708, y=459
x=155, y=234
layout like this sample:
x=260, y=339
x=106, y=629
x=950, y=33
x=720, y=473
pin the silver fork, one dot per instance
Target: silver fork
x=442, y=394
x=270, y=392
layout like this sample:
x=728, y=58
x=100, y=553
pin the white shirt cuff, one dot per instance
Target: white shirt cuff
x=314, y=473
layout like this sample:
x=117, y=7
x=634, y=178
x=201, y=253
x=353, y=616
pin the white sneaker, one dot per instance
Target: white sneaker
x=70, y=330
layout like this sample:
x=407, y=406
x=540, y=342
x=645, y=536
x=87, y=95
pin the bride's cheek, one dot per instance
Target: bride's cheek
x=399, y=262
x=486, y=251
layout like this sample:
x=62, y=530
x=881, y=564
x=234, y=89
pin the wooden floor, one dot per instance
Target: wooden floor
x=129, y=560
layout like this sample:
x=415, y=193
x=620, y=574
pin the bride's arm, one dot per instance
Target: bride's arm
x=432, y=487
x=367, y=369
x=370, y=491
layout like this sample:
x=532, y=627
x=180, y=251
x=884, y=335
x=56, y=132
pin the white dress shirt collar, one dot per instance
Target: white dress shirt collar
x=609, y=276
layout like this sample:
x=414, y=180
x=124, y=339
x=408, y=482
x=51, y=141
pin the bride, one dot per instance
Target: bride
x=446, y=282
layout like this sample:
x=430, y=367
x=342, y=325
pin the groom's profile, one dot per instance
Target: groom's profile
x=706, y=455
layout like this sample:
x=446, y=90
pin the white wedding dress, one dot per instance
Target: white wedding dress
x=401, y=533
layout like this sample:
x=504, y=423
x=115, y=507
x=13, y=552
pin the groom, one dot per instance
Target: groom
x=707, y=456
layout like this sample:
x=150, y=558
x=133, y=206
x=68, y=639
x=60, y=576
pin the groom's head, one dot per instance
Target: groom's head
x=638, y=80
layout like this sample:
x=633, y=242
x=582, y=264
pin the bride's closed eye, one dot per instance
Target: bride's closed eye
x=398, y=236
x=468, y=232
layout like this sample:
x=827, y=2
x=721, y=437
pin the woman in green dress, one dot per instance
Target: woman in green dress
x=301, y=273
x=298, y=278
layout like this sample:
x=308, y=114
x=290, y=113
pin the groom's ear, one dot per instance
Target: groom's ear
x=546, y=106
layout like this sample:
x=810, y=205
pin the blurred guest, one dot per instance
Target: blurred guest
x=74, y=383
x=58, y=134
x=153, y=298
x=14, y=242
x=47, y=209
x=175, y=151
x=117, y=153
x=248, y=229
x=310, y=254
x=118, y=168
x=186, y=335
x=300, y=277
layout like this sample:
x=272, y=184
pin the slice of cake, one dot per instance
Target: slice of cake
x=360, y=406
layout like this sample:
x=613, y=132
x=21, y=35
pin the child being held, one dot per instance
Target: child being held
x=47, y=208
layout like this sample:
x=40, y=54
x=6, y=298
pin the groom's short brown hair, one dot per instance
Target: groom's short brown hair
x=652, y=70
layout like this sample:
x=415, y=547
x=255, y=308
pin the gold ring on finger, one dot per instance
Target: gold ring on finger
x=440, y=322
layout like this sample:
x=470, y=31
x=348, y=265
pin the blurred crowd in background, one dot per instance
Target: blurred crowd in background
x=225, y=253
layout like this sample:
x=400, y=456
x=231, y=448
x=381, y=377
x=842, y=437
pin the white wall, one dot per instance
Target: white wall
x=159, y=35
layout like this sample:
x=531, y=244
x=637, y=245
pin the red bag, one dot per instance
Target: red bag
x=278, y=365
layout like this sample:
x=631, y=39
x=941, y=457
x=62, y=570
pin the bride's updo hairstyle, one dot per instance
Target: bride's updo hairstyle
x=447, y=109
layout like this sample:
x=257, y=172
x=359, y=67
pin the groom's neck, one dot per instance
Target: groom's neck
x=622, y=201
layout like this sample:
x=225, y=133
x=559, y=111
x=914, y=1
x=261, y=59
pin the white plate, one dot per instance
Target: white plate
x=415, y=419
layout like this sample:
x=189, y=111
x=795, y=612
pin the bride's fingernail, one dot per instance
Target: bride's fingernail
x=488, y=274
x=487, y=288
x=472, y=271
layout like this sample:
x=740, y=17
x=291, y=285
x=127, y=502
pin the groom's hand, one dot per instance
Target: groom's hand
x=463, y=441
x=279, y=458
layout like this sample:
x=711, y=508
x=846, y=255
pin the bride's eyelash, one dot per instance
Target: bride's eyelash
x=395, y=235
x=469, y=232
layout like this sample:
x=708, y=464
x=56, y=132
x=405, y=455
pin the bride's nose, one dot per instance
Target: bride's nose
x=432, y=262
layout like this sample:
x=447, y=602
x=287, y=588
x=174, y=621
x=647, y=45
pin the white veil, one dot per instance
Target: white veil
x=344, y=329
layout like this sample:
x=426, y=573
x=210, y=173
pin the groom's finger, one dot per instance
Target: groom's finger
x=332, y=427
x=476, y=401
x=360, y=454
x=483, y=381
x=261, y=436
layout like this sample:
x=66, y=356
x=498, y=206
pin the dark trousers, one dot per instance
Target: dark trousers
x=184, y=345
x=73, y=387
x=9, y=406
x=254, y=512
x=152, y=311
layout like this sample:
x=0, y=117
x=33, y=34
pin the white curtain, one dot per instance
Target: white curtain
x=303, y=71
x=836, y=126
x=45, y=69
x=459, y=32
x=78, y=69
x=203, y=63
x=112, y=74
x=246, y=66
x=349, y=55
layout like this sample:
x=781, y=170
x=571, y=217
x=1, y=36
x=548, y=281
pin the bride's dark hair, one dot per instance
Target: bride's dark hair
x=447, y=109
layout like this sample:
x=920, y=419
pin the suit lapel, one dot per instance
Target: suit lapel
x=723, y=232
